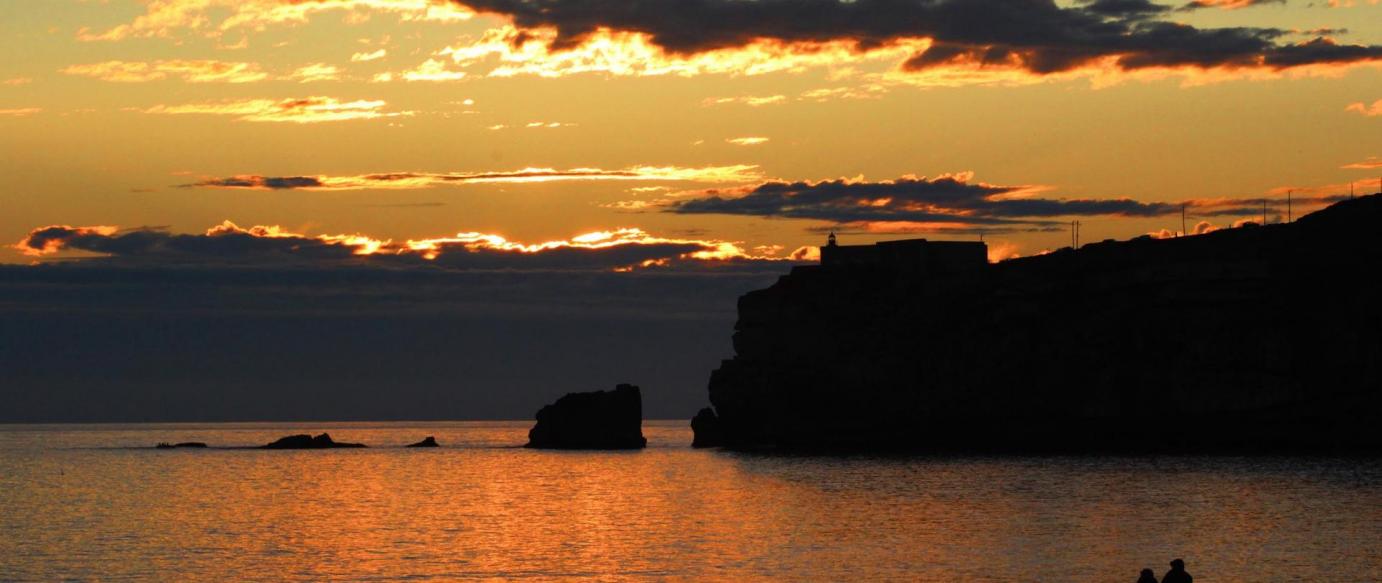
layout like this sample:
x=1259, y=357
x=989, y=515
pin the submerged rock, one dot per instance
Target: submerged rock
x=185, y=444
x=596, y=420
x=304, y=441
x=428, y=442
x=706, y=427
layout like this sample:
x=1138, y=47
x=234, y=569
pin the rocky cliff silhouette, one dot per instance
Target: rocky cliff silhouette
x=1253, y=339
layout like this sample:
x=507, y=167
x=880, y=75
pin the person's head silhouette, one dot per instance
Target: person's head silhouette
x=1177, y=573
x=1147, y=576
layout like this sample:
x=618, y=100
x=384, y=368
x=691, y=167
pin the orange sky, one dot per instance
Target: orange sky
x=407, y=120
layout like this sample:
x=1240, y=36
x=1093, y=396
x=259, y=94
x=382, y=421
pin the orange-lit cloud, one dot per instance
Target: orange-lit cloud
x=1368, y=110
x=942, y=43
x=750, y=100
x=748, y=141
x=1373, y=162
x=17, y=81
x=51, y=239
x=532, y=125
x=20, y=112
x=365, y=57
x=946, y=42
x=429, y=70
x=317, y=72
x=415, y=180
x=213, y=18
x=193, y=71
x=305, y=110
x=510, y=51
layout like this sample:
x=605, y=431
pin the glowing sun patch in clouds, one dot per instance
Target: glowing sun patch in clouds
x=305, y=110
x=415, y=180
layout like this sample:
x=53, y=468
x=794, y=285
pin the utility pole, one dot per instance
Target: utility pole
x=1182, y=220
x=1288, y=206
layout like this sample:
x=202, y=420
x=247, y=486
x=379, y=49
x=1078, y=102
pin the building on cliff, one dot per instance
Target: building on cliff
x=909, y=255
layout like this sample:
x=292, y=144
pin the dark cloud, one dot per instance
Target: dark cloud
x=158, y=243
x=230, y=244
x=1038, y=36
x=953, y=204
x=944, y=199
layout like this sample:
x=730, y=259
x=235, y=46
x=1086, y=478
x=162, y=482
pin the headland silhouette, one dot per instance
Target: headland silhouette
x=1252, y=339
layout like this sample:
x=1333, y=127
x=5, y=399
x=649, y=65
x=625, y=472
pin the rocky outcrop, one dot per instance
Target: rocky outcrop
x=428, y=442
x=596, y=420
x=1247, y=339
x=305, y=441
x=706, y=428
x=182, y=445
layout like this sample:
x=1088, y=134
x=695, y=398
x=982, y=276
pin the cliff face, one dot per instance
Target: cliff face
x=1255, y=339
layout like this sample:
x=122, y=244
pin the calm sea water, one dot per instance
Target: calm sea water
x=94, y=502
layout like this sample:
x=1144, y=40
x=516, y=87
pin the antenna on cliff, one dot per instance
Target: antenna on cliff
x=1288, y=206
x=1182, y=221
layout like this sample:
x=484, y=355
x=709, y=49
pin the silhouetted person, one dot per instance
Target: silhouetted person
x=1147, y=576
x=1177, y=573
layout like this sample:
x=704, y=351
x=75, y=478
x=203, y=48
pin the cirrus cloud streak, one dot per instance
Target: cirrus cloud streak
x=416, y=180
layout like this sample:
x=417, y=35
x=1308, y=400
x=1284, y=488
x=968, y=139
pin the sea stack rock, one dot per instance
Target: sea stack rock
x=706, y=427
x=596, y=420
x=305, y=441
x=183, y=445
x=429, y=442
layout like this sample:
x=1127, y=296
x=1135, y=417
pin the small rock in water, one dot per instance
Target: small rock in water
x=429, y=442
x=185, y=444
x=595, y=420
x=706, y=428
x=304, y=441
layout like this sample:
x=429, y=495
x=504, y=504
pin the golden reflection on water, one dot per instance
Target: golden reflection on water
x=81, y=502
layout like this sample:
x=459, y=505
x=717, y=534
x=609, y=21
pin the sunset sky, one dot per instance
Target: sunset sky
x=670, y=155
x=181, y=114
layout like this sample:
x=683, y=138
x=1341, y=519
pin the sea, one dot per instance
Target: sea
x=99, y=503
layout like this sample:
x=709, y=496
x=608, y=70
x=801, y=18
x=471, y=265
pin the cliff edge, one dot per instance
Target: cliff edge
x=1253, y=339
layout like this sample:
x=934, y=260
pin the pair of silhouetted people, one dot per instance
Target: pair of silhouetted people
x=1177, y=574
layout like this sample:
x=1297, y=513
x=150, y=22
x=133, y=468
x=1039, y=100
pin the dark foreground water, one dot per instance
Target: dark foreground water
x=92, y=502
